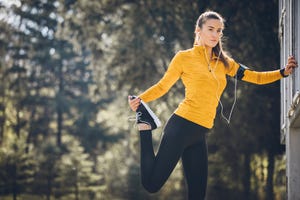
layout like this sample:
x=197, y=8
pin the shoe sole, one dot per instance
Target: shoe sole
x=155, y=118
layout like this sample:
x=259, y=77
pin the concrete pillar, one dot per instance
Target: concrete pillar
x=293, y=164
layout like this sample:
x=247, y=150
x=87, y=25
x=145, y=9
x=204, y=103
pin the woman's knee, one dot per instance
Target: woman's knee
x=151, y=187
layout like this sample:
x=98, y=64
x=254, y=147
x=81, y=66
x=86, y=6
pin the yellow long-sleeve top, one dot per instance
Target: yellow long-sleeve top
x=203, y=87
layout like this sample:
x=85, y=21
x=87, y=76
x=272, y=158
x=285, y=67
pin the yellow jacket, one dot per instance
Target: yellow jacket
x=203, y=87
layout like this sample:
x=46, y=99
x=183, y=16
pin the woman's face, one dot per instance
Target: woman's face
x=210, y=33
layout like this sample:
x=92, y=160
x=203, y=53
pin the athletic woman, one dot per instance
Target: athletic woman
x=203, y=70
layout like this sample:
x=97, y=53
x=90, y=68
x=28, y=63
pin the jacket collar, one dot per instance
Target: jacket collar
x=200, y=49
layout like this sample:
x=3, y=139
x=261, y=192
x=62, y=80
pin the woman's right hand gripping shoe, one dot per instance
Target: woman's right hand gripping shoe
x=144, y=115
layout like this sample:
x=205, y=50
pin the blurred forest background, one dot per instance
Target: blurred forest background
x=66, y=68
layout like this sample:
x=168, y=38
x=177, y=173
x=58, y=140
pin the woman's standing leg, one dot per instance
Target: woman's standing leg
x=195, y=164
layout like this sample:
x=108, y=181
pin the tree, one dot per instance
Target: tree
x=17, y=168
x=77, y=179
x=5, y=30
x=48, y=156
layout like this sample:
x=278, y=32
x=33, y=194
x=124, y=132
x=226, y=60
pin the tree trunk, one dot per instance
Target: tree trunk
x=2, y=119
x=49, y=187
x=14, y=185
x=76, y=187
x=269, y=187
x=247, y=176
x=59, y=102
x=59, y=125
x=18, y=125
x=28, y=139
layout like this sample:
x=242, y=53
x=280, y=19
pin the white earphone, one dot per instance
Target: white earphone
x=219, y=100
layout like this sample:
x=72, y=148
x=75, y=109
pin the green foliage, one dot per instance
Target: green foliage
x=77, y=177
x=48, y=156
x=17, y=168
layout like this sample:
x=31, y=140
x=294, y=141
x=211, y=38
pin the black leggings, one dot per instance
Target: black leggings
x=182, y=138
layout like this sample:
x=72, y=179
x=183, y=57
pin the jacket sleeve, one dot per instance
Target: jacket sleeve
x=170, y=77
x=241, y=72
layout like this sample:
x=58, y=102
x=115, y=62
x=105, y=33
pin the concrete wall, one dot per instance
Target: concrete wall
x=289, y=35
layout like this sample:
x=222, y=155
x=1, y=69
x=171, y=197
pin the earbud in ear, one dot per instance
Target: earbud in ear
x=198, y=39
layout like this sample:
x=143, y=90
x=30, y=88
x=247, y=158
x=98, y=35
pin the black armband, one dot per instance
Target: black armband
x=282, y=73
x=240, y=72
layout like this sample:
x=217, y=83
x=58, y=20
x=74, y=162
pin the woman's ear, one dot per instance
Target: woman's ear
x=197, y=36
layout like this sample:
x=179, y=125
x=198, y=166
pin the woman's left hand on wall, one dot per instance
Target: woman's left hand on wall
x=290, y=66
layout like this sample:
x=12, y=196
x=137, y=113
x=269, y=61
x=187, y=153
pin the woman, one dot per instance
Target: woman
x=203, y=71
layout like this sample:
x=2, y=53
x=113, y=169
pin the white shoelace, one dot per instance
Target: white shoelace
x=137, y=118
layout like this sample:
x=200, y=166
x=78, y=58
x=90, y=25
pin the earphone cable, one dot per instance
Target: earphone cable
x=218, y=87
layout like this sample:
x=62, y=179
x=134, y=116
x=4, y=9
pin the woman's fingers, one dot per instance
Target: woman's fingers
x=292, y=63
x=133, y=103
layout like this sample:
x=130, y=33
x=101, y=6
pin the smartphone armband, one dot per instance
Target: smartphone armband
x=241, y=71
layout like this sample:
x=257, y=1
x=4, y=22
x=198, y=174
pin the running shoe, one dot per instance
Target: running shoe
x=145, y=115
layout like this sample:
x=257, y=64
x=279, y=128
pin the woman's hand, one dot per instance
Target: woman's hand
x=292, y=64
x=134, y=103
